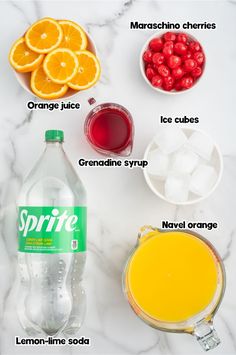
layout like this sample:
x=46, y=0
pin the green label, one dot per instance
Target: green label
x=52, y=229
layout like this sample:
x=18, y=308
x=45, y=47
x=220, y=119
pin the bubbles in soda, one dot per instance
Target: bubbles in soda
x=52, y=245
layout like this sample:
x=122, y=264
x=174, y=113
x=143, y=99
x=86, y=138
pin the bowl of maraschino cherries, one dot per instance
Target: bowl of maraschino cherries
x=172, y=62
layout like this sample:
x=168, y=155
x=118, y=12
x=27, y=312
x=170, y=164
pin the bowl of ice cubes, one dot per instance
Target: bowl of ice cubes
x=184, y=165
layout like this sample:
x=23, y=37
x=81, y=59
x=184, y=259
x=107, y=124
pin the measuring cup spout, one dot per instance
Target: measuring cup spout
x=145, y=232
x=92, y=101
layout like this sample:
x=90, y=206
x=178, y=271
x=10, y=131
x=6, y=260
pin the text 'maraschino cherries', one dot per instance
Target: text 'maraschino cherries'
x=173, y=62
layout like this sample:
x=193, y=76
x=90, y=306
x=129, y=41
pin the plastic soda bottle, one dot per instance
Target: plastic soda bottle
x=52, y=244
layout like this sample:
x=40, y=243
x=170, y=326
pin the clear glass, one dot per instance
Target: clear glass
x=201, y=325
x=127, y=148
x=51, y=298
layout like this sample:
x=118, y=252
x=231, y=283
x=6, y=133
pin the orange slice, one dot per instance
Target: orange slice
x=24, y=59
x=61, y=65
x=44, y=87
x=88, y=73
x=44, y=35
x=74, y=36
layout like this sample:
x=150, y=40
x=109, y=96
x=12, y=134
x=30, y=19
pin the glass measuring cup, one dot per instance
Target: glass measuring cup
x=141, y=294
x=109, y=129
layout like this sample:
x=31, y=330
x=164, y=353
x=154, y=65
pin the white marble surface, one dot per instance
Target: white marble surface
x=119, y=201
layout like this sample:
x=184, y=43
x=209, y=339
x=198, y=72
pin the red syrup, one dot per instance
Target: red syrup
x=109, y=129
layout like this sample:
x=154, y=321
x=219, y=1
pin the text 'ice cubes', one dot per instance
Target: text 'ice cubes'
x=201, y=144
x=184, y=161
x=177, y=187
x=170, y=139
x=158, y=163
x=203, y=179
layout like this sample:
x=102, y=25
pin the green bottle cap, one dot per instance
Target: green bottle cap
x=54, y=135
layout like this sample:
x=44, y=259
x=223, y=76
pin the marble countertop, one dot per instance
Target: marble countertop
x=119, y=201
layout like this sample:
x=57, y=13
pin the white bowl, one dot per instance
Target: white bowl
x=157, y=186
x=142, y=65
x=24, y=78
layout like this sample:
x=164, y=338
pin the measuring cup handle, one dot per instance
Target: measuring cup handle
x=206, y=335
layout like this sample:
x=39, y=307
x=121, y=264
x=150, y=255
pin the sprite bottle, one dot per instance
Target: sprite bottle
x=52, y=244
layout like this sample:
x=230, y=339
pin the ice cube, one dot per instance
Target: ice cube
x=201, y=144
x=203, y=179
x=169, y=139
x=184, y=161
x=177, y=187
x=158, y=163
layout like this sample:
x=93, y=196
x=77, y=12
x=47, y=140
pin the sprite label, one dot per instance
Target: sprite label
x=52, y=229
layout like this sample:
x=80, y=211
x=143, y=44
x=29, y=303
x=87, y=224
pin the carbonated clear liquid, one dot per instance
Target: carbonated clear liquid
x=51, y=298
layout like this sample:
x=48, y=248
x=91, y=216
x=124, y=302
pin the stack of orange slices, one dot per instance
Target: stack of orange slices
x=55, y=52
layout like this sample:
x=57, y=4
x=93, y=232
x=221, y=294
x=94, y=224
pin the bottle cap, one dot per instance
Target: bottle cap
x=54, y=135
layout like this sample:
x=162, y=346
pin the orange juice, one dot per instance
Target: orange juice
x=172, y=276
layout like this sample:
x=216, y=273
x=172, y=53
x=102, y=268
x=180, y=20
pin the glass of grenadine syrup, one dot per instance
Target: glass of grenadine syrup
x=109, y=129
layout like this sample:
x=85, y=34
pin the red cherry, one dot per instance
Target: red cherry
x=178, y=86
x=168, y=83
x=156, y=44
x=190, y=64
x=178, y=72
x=163, y=70
x=148, y=65
x=147, y=56
x=158, y=58
x=174, y=61
x=170, y=36
x=150, y=73
x=169, y=80
x=155, y=67
x=194, y=46
x=157, y=81
x=187, y=82
x=186, y=56
x=167, y=51
x=196, y=72
x=180, y=48
x=182, y=37
x=199, y=57
x=169, y=44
